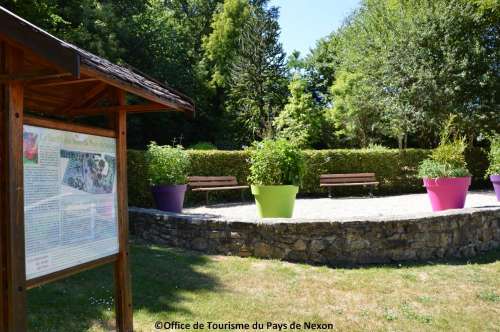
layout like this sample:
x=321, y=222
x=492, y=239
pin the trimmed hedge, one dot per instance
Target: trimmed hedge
x=203, y=163
x=396, y=170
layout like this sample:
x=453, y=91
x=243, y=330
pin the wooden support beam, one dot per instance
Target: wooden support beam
x=61, y=83
x=3, y=197
x=34, y=76
x=113, y=109
x=66, y=126
x=45, y=98
x=123, y=287
x=86, y=98
x=12, y=213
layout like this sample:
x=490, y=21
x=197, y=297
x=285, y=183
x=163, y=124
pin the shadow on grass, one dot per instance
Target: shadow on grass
x=488, y=257
x=84, y=301
x=160, y=277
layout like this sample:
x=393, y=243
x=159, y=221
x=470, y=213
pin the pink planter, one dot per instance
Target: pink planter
x=447, y=193
x=495, y=179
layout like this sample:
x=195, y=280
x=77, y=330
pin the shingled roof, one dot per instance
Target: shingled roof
x=75, y=60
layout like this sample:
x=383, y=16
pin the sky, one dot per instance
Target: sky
x=303, y=22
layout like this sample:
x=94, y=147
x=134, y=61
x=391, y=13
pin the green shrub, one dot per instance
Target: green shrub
x=432, y=169
x=448, y=159
x=203, y=146
x=276, y=162
x=494, y=156
x=376, y=147
x=167, y=165
x=396, y=170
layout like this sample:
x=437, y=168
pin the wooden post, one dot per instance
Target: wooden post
x=123, y=291
x=12, y=205
x=3, y=184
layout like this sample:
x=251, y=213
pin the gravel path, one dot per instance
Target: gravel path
x=325, y=208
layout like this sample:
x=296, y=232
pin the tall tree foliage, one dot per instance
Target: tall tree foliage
x=222, y=44
x=258, y=76
x=302, y=120
x=320, y=67
x=391, y=74
x=406, y=65
x=160, y=38
x=249, y=69
x=165, y=41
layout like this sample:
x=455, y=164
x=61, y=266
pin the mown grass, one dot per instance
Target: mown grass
x=170, y=284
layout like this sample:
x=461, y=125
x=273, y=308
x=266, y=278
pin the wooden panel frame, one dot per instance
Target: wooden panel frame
x=40, y=281
x=70, y=127
x=123, y=289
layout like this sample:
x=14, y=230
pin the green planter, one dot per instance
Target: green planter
x=275, y=201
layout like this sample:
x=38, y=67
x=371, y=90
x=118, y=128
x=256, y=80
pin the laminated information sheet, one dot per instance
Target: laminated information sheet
x=70, y=199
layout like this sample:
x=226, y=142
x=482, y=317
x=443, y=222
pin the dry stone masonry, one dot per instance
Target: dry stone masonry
x=463, y=233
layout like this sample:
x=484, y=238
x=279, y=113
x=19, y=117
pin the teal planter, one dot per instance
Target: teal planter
x=275, y=201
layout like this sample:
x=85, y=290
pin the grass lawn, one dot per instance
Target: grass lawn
x=171, y=284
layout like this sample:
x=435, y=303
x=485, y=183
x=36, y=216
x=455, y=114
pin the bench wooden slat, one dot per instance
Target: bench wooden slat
x=210, y=178
x=212, y=181
x=347, y=184
x=347, y=175
x=213, y=184
x=347, y=180
x=219, y=188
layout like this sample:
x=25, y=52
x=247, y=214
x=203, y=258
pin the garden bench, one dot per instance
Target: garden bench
x=214, y=183
x=352, y=179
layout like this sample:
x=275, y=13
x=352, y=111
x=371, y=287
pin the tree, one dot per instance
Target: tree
x=221, y=45
x=160, y=38
x=321, y=66
x=258, y=76
x=408, y=65
x=355, y=111
x=295, y=63
x=165, y=41
x=302, y=120
x=391, y=74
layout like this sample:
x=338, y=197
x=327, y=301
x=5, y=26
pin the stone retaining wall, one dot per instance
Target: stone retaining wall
x=461, y=233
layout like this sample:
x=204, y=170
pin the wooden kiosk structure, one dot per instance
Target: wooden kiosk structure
x=48, y=83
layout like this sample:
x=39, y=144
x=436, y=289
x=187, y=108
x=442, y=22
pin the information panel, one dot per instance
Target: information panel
x=70, y=203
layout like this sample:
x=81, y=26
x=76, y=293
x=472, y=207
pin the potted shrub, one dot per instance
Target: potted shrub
x=494, y=169
x=445, y=173
x=168, y=169
x=276, y=171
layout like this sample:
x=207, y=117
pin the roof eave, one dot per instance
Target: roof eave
x=69, y=59
x=16, y=28
x=141, y=92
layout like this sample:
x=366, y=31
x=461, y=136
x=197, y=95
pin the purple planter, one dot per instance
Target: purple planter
x=495, y=179
x=447, y=193
x=169, y=198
